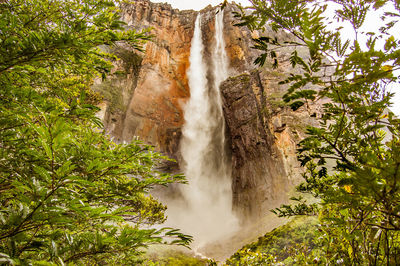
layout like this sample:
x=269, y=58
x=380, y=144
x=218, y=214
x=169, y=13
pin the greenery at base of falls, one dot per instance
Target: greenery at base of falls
x=352, y=159
x=172, y=257
x=68, y=193
x=281, y=245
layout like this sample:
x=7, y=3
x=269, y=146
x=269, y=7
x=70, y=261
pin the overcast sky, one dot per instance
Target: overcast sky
x=200, y=4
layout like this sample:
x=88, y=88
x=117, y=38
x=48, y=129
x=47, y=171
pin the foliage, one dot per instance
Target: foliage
x=172, y=257
x=280, y=245
x=352, y=159
x=68, y=193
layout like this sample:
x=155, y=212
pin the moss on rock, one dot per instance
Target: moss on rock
x=116, y=87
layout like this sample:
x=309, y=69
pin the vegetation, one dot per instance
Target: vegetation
x=352, y=159
x=68, y=193
x=160, y=257
x=296, y=237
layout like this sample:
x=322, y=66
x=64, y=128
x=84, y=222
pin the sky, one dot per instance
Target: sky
x=200, y=4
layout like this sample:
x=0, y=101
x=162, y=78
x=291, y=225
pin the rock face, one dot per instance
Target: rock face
x=263, y=136
x=257, y=174
x=146, y=94
x=153, y=109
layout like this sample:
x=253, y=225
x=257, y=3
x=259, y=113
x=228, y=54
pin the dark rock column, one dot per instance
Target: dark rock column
x=259, y=179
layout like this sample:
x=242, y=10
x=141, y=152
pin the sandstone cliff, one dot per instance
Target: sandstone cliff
x=152, y=110
x=146, y=93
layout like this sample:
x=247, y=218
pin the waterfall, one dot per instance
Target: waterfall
x=206, y=211
x=219, y=56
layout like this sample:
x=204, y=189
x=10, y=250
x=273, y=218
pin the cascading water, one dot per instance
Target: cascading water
x=206, y=210
x=219, y=56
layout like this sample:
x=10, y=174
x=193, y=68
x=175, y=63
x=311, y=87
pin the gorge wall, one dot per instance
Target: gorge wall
x=146, y=92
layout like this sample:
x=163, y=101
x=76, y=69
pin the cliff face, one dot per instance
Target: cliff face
x=146, y=94
x=257, y=174
x=152, y=110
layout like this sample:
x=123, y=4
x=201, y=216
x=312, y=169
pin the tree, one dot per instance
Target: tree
x=68, y=193
x=352, y=159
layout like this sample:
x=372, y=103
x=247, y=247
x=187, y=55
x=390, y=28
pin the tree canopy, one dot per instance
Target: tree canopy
x=68, y=193
x=352, y=158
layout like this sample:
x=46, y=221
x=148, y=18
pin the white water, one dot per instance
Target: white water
x=205, y=212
